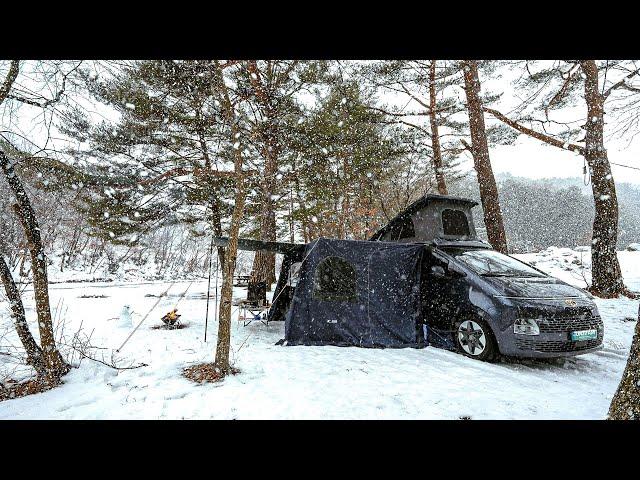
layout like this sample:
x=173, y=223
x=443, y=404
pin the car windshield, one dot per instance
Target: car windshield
x=490, y=263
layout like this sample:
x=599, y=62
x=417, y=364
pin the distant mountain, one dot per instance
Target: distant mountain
x=552, y=211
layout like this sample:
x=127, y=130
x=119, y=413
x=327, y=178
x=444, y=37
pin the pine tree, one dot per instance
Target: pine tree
x=341, y=156
x=274, y=87
x=436, y=112
x=560, y=84
x=48, y=362
x=159, y=163
x=426, y=85
x=480, y=151
x=56, y=367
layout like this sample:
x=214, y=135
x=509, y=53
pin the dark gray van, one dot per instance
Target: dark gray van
x=484, y=303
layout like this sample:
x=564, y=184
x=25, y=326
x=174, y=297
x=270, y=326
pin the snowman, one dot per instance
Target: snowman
x=125, y=320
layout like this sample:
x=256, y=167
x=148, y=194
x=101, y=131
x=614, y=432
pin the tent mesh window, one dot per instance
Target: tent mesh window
x=335, y=280
x=455, y=223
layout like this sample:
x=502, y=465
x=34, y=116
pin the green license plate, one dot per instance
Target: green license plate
x=582, y=335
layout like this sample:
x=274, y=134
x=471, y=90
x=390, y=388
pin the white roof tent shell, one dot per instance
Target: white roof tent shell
x=430, y=218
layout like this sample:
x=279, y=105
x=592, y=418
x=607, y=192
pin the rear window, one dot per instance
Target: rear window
x=455, y=223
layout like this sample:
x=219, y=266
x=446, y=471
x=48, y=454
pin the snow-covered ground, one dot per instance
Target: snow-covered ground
x=314, y=382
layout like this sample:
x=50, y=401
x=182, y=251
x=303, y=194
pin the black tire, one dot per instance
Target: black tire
x=473, y=338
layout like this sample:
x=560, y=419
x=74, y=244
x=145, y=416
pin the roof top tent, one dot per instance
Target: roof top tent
x=430, y=218
x=357, y=293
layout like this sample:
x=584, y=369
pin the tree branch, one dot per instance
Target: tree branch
x=548, y=139
x=562, y=92
x=8, y=81
x=466, y=145
x=622, y=83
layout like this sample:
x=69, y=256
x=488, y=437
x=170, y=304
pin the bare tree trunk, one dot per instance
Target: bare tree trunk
x=214, y=202
x=607, y=278
x=12, y=74
x=23, y=259
x=224, y=327
x=56, y=366
x=216, y=223
x=435, y=135
x=264, y=263
x=625, y=404
x=34, y=353
x=223, y=343
x=480, y=151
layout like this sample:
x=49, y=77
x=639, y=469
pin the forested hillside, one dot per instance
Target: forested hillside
x=553, y=212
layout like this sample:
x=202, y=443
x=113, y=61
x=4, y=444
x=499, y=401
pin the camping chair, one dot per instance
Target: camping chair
x=252, y=313
x=255, y=308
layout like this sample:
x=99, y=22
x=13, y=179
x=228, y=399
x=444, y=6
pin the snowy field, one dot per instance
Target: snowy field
x=314, y=382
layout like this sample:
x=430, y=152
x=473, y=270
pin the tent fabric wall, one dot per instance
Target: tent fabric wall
x=385, y=310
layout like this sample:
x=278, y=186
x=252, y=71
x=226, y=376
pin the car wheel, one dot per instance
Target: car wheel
x=474, y=338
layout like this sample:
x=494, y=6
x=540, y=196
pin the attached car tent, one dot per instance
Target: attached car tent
x=365, y=293
x=357, y=293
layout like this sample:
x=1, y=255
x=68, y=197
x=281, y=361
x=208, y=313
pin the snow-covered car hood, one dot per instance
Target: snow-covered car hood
x=534, y=288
